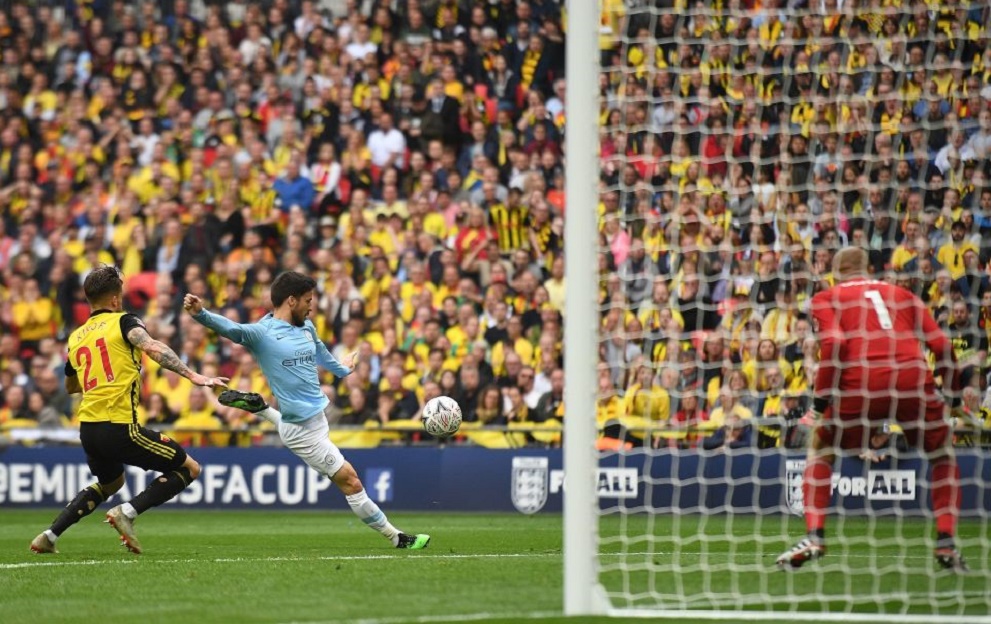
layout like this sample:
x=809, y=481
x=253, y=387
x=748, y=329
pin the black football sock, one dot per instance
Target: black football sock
x=81, y=506
x=162, y=489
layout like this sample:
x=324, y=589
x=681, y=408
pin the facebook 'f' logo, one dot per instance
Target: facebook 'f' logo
x=379, y=482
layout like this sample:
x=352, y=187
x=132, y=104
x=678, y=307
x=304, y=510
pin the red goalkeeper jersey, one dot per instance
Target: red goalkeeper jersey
x=869, y=330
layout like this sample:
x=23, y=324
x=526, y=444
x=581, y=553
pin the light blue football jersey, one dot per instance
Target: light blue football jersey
x=288, y=356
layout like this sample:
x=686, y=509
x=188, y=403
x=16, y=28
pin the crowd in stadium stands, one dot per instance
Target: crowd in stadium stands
x=409, y=155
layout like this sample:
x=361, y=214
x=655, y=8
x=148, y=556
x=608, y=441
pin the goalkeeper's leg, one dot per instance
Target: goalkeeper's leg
x=817, y=481
x=816, y=492
x=945, y=489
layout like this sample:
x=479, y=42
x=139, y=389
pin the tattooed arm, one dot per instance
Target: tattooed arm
x=167, y=358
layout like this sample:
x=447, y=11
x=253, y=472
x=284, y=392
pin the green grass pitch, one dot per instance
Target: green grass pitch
x=257, y=566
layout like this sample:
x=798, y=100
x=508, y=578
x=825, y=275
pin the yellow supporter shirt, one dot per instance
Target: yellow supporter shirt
x=458, y=339
x=256, y=378
x=755, y=373
x=951, y=257
x=85, y=264
x=902, y=256
x=385, y=239
x=522, y=347
x=203, y=421
x=435, y=225
x=650, y=403
x=611, y=13
x=717, y=417
x=408, y=291
x=779, y=326
x=177, y=395
x=555, y=293
x=608, y=409
x=35, y=320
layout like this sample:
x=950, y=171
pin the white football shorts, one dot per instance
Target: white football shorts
x=310, y=441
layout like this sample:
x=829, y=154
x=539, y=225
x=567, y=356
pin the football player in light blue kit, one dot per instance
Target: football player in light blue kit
x=287, y=349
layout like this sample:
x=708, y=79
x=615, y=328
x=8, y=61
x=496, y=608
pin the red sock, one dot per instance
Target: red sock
x=816, y=492
x=945, y=492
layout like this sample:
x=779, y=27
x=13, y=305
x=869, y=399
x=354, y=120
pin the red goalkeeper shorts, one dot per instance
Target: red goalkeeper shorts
x=867, y=398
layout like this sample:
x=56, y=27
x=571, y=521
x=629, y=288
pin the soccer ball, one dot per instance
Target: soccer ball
x=441, y=416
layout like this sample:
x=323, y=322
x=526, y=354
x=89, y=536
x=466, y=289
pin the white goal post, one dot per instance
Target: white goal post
x=581, y=320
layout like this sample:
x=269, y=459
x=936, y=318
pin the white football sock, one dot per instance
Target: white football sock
x=51, y=536
x=129, y=511
x=366, y=509
x=270, y=414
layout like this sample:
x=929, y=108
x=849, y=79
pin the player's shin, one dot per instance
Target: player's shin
x=816, y=490
x=366, y=509
x=161, y=490
x=946, y=494
x=85, y=502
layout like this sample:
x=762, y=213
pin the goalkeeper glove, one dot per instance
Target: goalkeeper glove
x=811, y=418
x=872, y=456
x=814, y=415
x=876, y=444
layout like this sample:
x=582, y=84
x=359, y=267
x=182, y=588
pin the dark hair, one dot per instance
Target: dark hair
x=102, y=282
x=291, y=284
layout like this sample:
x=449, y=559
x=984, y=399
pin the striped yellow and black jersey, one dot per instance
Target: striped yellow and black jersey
x=108, y=367
x=510, y=223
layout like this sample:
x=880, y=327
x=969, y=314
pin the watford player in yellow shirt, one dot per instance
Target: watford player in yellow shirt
x=105, y=366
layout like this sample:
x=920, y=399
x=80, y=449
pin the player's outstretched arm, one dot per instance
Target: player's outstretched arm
x=167, y=358
x=327, y=361
x=235, y=332
x=942, y=350
x=830, y=337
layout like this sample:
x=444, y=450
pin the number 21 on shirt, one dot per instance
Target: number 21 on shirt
x=84, y=359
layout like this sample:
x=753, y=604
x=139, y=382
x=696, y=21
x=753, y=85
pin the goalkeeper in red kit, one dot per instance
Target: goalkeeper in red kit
x=872, y=369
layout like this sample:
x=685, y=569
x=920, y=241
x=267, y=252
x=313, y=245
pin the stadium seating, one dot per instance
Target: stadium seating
x=742, y=143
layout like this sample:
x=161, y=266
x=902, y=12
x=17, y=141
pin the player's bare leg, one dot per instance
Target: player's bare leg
x=328, y=460
x=162, y=489
x=816, y=491
x=346, y=479
x=84, y=503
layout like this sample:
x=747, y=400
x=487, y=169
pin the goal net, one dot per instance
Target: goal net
x=740, y=145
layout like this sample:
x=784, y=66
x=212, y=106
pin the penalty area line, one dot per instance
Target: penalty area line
x=48, y=564
x=150, y=561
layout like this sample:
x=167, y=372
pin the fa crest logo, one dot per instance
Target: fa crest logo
x=794, y=469
x=529, y=486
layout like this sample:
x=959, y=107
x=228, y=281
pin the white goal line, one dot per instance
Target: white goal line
x=799, y=616
x=748, y=616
